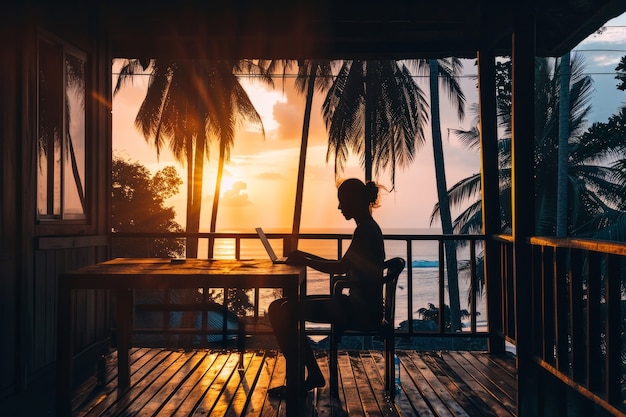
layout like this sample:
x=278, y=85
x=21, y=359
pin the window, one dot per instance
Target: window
x=60, y=132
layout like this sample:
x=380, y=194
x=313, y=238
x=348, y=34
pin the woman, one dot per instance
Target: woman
x=362, y=265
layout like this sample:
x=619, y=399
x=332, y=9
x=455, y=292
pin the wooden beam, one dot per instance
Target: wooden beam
x=523, y=203
x=490, y=195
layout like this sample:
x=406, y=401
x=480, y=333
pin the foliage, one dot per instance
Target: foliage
x=187, y=105
x=621, y=74
x=596, y=190
x=375, y=109
x=432, y=314
x=138, y=205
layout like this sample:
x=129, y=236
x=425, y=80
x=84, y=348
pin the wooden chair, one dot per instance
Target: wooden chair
x=383, y=329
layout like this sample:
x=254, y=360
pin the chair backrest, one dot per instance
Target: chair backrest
x=394, y=267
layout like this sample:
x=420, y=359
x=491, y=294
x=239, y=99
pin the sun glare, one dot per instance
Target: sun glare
x=264, y=100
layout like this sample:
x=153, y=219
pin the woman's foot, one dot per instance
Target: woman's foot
x=280, y=393
x=314, y=381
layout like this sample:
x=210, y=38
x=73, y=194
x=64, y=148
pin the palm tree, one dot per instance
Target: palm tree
x=231, y=106
x=377, y=110
x=446, y=70
x=596, y=193
x=311, y=74
x=186, y=103
x=561, y=203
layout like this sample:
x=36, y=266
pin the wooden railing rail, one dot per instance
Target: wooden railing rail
x=473, y=243
x=578, y=316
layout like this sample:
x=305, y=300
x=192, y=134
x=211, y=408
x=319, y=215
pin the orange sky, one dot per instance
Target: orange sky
x=260, y=180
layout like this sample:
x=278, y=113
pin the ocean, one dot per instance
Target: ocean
x=425, y=272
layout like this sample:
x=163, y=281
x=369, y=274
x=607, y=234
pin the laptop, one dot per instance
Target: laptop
x=268, y=248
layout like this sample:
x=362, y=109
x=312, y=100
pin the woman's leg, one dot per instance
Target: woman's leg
x=321, y=309
x=277, y=313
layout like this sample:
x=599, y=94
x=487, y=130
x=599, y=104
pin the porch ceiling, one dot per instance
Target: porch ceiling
x=352, y=29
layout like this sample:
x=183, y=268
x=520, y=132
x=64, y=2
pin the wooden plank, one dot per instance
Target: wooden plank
x=353, y=402
x=471, y=403
x=177, y=383
x=202, y=384
x=506, y=362
x=144, y=378
x=447, y=397
x=218, y=391
x=197, y=373
x=264, y=379
x=377, y=382
x=169, y=388
x=110, y=393
x=481, y=395
x=368, y=399
x=489, y=388
x=503, y=379
x=157, y=393
x=272, y=407
x=327, y=405
x=409, y=399
x=246, y=386
x=430, y=395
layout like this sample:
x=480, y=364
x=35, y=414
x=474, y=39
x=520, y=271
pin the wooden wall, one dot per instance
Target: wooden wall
x=33, y=253
x=9, y=236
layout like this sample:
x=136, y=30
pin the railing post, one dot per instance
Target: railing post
x=490, y=180
x=613, y=329
x=523, y=201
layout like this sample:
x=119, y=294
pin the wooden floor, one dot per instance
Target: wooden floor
x=207, y=382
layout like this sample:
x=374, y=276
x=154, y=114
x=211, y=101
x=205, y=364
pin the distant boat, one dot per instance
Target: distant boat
x=420, y=263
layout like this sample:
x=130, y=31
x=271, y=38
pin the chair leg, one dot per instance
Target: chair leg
x=241, y=342
x=332, y=359
x=390, y=369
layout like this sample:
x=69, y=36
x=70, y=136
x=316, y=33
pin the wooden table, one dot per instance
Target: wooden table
x=123, y=275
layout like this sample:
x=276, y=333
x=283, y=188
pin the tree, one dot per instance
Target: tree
x=375, y=109
x=138, y=205
x=621, y=74
x=311, y=74
x=446, y=70
x=231, y=106
x=187, y=103
x=608, y=141
x=595, y=190
x=563, y=147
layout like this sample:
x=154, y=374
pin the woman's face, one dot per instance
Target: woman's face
x=346, y=205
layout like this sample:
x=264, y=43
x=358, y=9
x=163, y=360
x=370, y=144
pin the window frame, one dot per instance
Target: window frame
x=61, y=215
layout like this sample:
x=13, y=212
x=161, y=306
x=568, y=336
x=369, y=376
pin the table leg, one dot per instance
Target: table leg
x=124, y=317
x=65, y=327
x=295, y=369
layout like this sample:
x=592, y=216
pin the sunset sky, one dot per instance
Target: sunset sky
x=260, y=180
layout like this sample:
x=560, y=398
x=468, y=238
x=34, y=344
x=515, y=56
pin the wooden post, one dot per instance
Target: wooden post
x=523, y=201
x=490, y=196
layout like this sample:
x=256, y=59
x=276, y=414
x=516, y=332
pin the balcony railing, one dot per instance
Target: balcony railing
x=577, y=316
x=422, y=285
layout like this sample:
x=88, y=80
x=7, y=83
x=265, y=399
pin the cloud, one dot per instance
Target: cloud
x=270, y=176
x=236, y=196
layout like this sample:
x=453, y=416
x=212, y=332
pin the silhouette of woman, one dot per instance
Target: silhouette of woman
x=362, y=264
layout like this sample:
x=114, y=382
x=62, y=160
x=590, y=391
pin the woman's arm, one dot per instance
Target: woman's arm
x=329, y=266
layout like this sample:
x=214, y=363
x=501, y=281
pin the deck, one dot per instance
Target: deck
x=207, y=382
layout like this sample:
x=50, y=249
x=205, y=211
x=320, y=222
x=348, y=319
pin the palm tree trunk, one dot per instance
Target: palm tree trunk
x=189, y=208
x=193, y=218
x=297, y=212
x=369, y=119
x=444, y=202
x=216, y=195
x=563, y=151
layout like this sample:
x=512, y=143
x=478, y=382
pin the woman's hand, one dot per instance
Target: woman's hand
x=297, y=257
